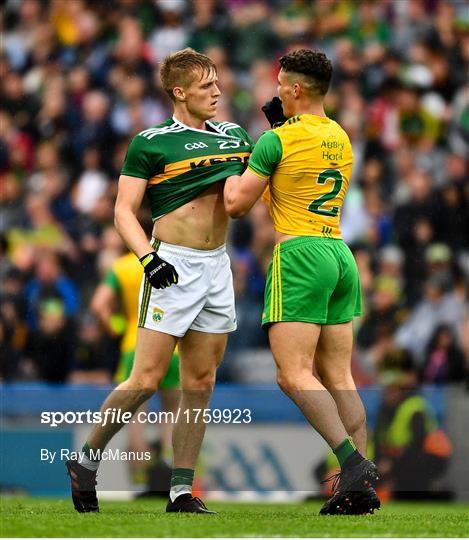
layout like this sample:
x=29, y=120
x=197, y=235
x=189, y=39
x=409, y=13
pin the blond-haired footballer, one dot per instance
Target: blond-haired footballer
x=186, y=296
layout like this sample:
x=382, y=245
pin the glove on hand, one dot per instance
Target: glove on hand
x=274, y=112
x=160, y=274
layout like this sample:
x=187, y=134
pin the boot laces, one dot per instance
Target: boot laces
x=335, y=480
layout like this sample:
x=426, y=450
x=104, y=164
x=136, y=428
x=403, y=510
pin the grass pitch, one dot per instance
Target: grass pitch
x=28, y=517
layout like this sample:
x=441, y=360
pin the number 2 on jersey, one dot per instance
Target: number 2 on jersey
x=315, y=206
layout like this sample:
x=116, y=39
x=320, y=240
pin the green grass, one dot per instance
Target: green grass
x=28, y=517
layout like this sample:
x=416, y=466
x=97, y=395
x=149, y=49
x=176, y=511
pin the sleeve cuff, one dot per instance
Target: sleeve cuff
x=260, y=175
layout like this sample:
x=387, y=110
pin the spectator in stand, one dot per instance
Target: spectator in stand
x=452, y=216
x=210, y=25
x=444, y=360
x=50, y=347
x=20, y=105
x=91, y=356
x=437, y=307
x=411, y=449
x=253, y=37
x=248, y=281
x=16, y=147
x=171, y=34
x=414, y=230
x=385, y=310
x=390, y=264
x=94, y=128
x=9, y=358
x=418, y=128
x=134, y=109
x=91, y=184
x=48, y=280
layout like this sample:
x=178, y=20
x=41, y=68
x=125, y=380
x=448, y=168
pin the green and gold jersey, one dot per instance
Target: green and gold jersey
x=124, y=279
x=181, y=162
x=309, y=162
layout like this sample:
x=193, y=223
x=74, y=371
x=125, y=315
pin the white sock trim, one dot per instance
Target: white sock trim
x=88, y=463
x=180, y=489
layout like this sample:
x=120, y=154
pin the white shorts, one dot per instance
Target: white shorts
x=202, y=300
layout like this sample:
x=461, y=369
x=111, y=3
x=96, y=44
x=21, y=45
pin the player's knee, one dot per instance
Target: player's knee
x=200, y=382
x=135, y=394
x=338, y=381
x=287, y=382
x=146, y=382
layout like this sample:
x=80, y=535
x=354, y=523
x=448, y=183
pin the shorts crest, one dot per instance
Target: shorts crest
x=157, y=314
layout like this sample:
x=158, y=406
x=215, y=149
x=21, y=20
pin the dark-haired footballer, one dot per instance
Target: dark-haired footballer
x=313, y=287
x=186, y=295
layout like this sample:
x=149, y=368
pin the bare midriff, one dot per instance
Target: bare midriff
x=281, y=237
x=200, y=224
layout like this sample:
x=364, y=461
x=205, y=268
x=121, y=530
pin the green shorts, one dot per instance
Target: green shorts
x=312, y=279
x=171, y=379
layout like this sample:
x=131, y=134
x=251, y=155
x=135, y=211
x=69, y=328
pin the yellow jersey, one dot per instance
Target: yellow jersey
x=125, y=278
x=308, y=161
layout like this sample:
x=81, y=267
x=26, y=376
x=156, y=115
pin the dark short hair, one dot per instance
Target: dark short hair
x=181, y=68
x=313, y=64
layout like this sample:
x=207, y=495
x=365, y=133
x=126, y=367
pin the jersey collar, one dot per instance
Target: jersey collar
x=215, y=131
x=315, y=118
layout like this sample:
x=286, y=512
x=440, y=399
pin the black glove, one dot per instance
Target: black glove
x=160, y=274
x=274, y=112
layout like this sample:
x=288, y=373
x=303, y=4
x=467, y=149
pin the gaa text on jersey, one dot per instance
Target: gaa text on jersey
x=222, y=144
x=195, y=145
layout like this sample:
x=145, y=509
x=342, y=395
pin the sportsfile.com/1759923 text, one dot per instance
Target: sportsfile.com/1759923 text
x=114, y=415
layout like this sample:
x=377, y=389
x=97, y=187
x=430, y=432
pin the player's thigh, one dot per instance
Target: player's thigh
x=153, y=354
x=303, y=274
x=200, y=353
x=293, y=345
x=345, y=302
x=218, y=315
x=171, y=379
x=333, y=356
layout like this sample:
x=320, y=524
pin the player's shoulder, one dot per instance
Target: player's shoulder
x=164, y=128
x=296, y=124
x=341, y=133
x=228, y=128
x=287, y=125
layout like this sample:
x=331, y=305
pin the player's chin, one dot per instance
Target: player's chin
x=211, y=112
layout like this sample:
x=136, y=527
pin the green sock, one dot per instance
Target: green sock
x=181, y=482
x=89, y=460
x=345, y=449
x=87, y=450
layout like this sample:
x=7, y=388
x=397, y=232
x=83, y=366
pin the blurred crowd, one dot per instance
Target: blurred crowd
x=80, y=78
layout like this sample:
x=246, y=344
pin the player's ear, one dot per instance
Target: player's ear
x=179, y=93
x=296, y=89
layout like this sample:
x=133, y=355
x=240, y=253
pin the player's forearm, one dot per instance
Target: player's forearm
x=131, y=231
x=103, y=306
x=104, y=316
x=102, y=312
x=242, y=192
x=233, y=202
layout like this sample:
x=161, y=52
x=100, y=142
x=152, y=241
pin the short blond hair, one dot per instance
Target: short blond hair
x=181, y=68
